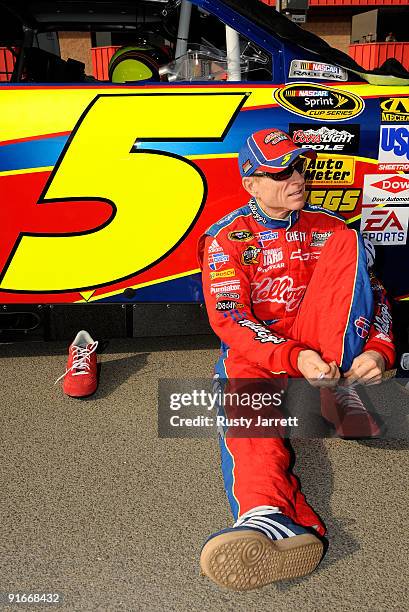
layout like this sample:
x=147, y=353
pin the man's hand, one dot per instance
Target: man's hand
x=367, y=369
x=316, y=371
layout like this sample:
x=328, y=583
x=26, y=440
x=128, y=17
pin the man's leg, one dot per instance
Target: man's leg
x=256, y=470
x=268, y=542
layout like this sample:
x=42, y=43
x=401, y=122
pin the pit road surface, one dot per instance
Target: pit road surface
x=96, y=507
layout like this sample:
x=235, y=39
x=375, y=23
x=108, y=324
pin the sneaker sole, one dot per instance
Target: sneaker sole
x=356, y=436
x=245, y=560
x=77, y=395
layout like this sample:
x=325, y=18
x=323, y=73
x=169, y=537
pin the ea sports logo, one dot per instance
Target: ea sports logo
x=381, y=219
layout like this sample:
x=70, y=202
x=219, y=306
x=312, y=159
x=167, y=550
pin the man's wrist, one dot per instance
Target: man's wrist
x=379, y=353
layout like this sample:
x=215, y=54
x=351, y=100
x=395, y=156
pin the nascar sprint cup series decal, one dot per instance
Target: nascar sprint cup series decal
x=318, y=102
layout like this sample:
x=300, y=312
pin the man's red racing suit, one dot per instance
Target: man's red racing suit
x=269, y=295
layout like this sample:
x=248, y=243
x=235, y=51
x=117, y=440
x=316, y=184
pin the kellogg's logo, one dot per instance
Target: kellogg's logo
x=318, y=102
x=262, y=334
x=280, y=290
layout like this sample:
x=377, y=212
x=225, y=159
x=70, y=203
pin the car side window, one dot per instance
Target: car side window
x=207, y=59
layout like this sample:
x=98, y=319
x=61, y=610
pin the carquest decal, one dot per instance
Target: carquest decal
x=318, y=102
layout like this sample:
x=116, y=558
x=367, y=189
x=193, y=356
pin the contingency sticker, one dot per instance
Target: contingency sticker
x=394, y=147
x=395, y=110
x=326, y=137
x=386, y=189
x=319, y=102
x=330, y=171
x=317, y=70
x=385, y=225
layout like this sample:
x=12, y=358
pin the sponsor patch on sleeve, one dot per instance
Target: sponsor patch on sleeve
x=240, y=236
x=223, y=305
x=217, y=260
x=249, y=256
x=223, y=274
x=261, y=334
x=318, y=239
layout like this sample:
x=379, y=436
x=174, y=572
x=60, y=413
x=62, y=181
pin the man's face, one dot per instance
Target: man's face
x=277, y=197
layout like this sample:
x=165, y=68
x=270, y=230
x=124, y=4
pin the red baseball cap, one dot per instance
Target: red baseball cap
x=269, y=150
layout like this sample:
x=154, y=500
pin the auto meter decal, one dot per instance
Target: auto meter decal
x=318, y=102
x=330, y=171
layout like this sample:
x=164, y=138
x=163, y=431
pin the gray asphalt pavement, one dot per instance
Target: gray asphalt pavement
x=95, y=506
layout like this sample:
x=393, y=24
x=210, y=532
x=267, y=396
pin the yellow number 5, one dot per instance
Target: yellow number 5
x=157, y=195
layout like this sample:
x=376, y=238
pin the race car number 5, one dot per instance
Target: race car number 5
x=155, y=196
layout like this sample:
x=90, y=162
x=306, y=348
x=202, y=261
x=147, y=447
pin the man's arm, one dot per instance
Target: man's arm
x=228, y=302
x=379, y=351
x=380, y=337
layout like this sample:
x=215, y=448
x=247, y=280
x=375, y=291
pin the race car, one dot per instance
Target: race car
x=107, y=186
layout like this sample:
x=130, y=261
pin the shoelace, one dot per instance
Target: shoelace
x=254, y=512
x=349, y=398
x=81, y=359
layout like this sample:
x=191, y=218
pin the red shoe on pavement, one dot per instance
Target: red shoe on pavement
x=80, y=378
x=344, y=409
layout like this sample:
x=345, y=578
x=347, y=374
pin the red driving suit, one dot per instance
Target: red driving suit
x=274, y=287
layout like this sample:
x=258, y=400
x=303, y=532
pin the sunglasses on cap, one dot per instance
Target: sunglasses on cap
x=300, y=165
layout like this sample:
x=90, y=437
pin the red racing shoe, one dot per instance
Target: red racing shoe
x=80, y=377
x=343, y=408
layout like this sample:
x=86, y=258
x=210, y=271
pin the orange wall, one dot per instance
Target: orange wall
x=76, y=45
x=335, y=30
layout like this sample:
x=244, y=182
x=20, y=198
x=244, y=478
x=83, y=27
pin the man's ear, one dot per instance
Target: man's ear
x=248, y=184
